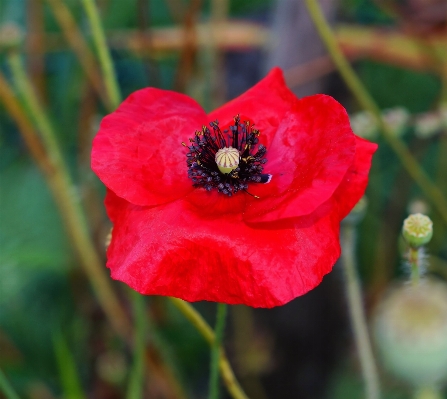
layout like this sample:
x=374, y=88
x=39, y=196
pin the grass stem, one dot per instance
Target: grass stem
x=194, y=317
x=215, y=351
x=105, y=59
x=357, y=314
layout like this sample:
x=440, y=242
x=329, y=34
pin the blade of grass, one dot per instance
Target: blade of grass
x=135, y=387
x=69, y=378
x=7, y=388
x=194, y=317
x=105, y=60
x=79, y=46
x=215, y=351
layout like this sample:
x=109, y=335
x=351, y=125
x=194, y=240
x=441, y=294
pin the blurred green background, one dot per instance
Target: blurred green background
x=55, y=341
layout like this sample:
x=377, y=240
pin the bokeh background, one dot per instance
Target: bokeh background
x=55, y=341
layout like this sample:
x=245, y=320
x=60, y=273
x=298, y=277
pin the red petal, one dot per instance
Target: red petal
x=137, y=152
x=308, y=158
x=355, y=181
x=168, y=250
x=264, y=105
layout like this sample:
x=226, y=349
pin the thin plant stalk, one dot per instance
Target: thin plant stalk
x=218, y=16
x=105, y=59
x=135, y=388
x=366, y=101
x=414, y=258
x=194, y=317
x=357, y=314
x=79, y=45
x=68, y=373
x=7, y=388
x=64, y=193
x=27, y=131
x=215, y=350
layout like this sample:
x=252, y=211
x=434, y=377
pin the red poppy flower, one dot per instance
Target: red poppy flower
x=184, y=226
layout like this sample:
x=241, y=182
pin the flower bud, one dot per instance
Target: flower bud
x=426, y=125
x=417, y=230
x=397, y=120
x=410, y=330
x=364, y=124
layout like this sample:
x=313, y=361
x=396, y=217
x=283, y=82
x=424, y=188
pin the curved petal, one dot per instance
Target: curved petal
x=167, y=250
x=355, y=181
x=264, y=105
x=137, y=152
x=308, y=158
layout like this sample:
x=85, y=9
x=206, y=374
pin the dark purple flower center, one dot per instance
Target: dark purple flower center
x=226, y=160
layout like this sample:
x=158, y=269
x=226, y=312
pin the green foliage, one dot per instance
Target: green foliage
x=392, y=86
x=32, y=235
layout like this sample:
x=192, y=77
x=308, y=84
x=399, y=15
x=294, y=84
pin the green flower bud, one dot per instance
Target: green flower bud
x=417, y=230
x=397, y=120
x=410, y=330
x=364, y=124
x=427, y=125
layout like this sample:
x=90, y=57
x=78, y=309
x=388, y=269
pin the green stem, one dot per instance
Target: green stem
x=413, y=258
x=135, y=388
x=33, y=106
x=357, y=314
x=215, y=351
x=102, y=49
x=6, y=387
x=367, y=102
x=65, y=196
x=202, y=326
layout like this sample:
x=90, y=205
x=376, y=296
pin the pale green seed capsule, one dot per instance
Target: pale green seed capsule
x=417, y=230
x=227, y=159
x=410, y=330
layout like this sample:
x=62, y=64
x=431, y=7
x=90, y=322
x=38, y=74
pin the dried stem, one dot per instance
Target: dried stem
x=202, y=326
x=358, y=319
x=79, y=46
x=216, y=79
x=364, y=98
x=102, y=49
x=63, y=190
x=35, y=46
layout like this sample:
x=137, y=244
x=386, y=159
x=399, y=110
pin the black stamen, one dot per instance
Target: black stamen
x=201, y=158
